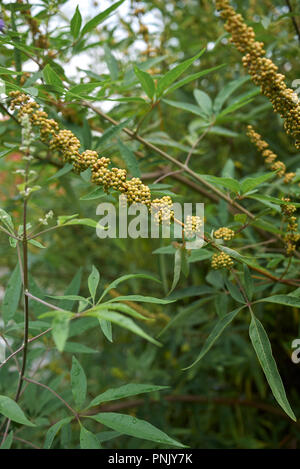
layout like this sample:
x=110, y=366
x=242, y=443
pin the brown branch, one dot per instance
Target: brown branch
x=296, y=26
x=192, y=399
x=170, y=158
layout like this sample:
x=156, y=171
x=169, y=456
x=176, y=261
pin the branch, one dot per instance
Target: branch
x=293, y=18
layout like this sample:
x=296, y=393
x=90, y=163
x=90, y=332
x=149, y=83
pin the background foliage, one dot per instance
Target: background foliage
x=70, y=63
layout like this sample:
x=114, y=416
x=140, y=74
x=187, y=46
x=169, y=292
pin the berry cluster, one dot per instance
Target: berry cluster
x=221, y=261
x=67, y=145
x=263, y=71
x=292, y=237
x=162, y=209
x=224, y=233
x=269, y=156
x=192, y=225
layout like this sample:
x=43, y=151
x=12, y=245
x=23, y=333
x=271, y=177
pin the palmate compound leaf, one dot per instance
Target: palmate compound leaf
x=215, y=334
x=133, y=426
x=262, y=347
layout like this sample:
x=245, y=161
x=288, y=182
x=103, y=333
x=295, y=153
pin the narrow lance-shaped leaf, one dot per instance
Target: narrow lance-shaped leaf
x=94, y=22
x=125, y=391
x=122, y=321
x=119, y=280
x=175, y=73
x=60, y=329
x=146, y=81
x=215, y=334
x=78, y=383
x=93, y=282
x=53, y=430
x=13, y=411
x=111, y=63
x=12, y=295
x=133, y=426
x=177, y=269
x=287, y=300
x=51, y=77
x=88, y=440
x=262, y=347
x=129, y=158
x=106, y=328
x=76, y=23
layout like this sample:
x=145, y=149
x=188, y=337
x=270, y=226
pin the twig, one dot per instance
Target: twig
x=54, y=393
x=296, y=26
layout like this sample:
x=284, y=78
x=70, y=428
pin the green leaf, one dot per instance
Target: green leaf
x=190, y=78
x=248, y=282
x=124, y=308
x=234, y=292
x=51, y=77
x=126, y=390
x=60, y=329
x=78, y=383
x=83, y=89
x=106, y=328
x=250, y=183
x=61, y=172
x=12, y=295
x=123, y=278
x=273, y=200
x=227, y=91
x=142, y=299
x=186, y=107
x=8, y=151
x=203, y=101
x=233, y=107
x=287, y=300
x=263, y=351
x=76, y=23
x=13, y=411
x=6, y=219
x=53, y=430
x=8, y=442
x=229, y=183
x=177, y=268
x=129, y=158
x=133, y=426
x=88, y=440
x=111, y=63
x=111, y=132
x=68, y=297
x=93, y=282
x=172, y=75
x=76, y=347
x=94, y=22
x=215, y=334
x=82, y=221
x=7, y=71
x=121, y=321
x=36, y=243
x=72, y=289
x=94, y=194
x=146, y=81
